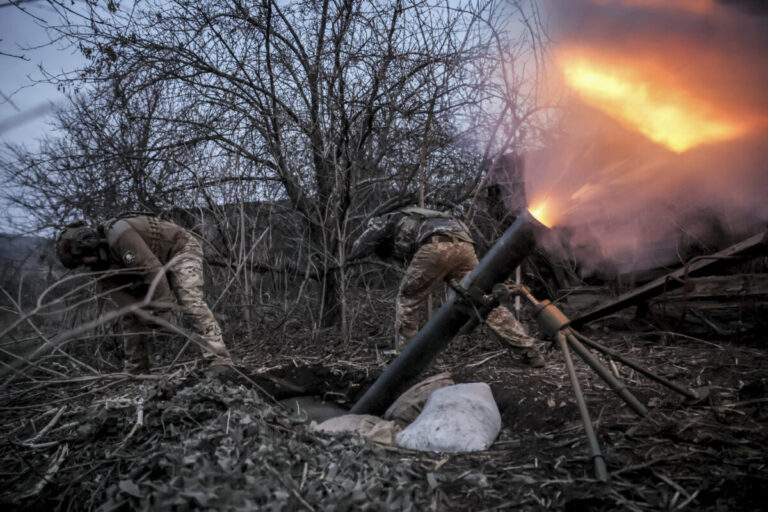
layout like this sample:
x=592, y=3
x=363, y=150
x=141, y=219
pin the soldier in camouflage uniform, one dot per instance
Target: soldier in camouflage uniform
x=438, y=248
x=142, y=255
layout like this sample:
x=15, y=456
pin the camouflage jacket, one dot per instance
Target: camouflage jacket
x=138, y=246
x=401, y=233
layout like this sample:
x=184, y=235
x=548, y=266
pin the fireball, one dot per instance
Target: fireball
x=646, y=99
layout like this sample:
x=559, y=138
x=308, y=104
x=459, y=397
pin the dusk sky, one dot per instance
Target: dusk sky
x=24, y=105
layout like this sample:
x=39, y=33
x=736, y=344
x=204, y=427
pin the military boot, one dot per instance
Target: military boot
x=136, y=355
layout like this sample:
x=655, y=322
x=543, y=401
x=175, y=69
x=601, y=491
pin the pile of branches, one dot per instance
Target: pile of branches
x=184, y=443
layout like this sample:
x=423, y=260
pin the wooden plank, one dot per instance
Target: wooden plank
x=734, y=286
x=750, y=247
x=751, y=303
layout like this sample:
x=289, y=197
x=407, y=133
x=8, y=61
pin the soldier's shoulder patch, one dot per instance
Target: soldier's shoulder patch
x=129, y=258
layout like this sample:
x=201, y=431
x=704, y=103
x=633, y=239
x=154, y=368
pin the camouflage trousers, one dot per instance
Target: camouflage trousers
x=433, y=263
x=185, y=275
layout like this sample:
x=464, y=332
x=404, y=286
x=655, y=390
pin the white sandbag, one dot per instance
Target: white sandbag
x=370, y=427
x=460, y=418
x=408, y=405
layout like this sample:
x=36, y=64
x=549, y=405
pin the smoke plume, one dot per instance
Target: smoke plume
x=664, y=134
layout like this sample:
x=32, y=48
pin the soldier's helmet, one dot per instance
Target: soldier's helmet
x=76, y=240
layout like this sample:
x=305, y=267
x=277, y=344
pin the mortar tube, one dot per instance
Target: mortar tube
x=509, y=251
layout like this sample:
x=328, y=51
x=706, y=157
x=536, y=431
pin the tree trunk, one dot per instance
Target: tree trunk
x=330, y=300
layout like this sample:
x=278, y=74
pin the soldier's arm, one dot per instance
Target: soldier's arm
x=126, y=244
x=374, y=234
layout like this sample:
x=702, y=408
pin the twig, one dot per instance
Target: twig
x=66, y=399
x=692, y=338
x=289, y=486
x=53, y=468
x=41, y=446
x=108, y=376
x=304, y=476
x=46, y=428
x=492, y=356
x=672, y=484
x=138, y=423
x=690, y=499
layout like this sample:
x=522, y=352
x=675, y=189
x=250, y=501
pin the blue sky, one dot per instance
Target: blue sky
x=24, y=105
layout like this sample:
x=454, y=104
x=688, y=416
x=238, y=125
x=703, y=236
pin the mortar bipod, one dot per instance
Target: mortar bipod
x=555, y=325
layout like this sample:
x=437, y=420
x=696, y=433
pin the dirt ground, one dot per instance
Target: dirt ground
x=186, y=441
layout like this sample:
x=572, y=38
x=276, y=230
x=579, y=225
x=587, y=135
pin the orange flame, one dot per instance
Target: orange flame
x=543, y=212
x=696, y=6
x=643, y=99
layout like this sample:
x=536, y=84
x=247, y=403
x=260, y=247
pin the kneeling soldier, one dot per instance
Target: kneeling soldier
x=437, y=247
x=142, y=254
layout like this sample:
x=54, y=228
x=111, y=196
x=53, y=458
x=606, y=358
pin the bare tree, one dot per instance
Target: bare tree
x=113, y=154
x=333, y=106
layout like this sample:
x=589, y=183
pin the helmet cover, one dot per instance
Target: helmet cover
x=73, y=242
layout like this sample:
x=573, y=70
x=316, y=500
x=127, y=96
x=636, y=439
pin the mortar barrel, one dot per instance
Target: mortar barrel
x=517, y=242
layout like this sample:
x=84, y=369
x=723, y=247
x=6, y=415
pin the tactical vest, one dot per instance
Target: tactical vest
x=128, y=214
x=418, y=224
x=154, y=225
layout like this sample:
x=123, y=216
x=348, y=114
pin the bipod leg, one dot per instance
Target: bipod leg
x=618, y=387
x=600, y=470
x=628, y=362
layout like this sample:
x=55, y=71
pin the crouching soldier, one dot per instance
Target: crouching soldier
x=438, y=248
x=141, y=255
